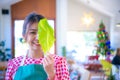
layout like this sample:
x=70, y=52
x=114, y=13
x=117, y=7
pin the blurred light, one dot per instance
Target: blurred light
x=88, y=19
x=118, y=25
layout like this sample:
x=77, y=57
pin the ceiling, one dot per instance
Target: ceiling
x=112, y=6
x=109, y=7
x=7, y=3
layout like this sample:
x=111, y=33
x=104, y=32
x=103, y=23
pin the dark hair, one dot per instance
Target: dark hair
x=118, y=51
x=30, y=19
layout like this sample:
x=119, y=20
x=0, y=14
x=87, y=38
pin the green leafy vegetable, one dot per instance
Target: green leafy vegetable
x=45, y=35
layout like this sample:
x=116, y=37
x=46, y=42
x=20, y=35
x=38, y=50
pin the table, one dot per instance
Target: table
x=95, y=71
x=96, y=75
x=93, y=67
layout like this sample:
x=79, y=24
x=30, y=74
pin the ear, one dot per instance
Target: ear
x=24, y=38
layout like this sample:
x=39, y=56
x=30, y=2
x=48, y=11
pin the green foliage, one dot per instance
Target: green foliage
x=3, y=55
x=64, y=51
x=111, y=77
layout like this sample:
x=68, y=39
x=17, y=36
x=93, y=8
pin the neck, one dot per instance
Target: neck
x=35, y=54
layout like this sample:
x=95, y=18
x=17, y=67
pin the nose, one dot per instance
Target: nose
x=37, y=36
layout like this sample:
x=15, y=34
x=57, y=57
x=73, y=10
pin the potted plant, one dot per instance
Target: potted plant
x=4, y=56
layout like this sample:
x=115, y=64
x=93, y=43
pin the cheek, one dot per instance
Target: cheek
x=30, y=39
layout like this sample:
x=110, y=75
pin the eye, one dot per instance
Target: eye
x=32, y=32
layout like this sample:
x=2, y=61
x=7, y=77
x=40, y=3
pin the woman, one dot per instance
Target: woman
x=116, y=65
x=36, y=66
x=116, y=59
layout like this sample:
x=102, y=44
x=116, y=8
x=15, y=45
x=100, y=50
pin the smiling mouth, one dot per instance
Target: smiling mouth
x=36, y=44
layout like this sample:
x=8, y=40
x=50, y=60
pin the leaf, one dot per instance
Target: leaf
x=45, y=35
x=7, y=49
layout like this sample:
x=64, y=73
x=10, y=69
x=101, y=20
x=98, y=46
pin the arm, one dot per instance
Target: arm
x=62, y=72
x=9, y=71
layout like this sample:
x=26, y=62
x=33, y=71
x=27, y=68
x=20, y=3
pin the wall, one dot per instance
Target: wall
x=5, y=27
x=24, y=7
x=0, y=24
x=76, y=12
x=61, y=24
x=115, y=31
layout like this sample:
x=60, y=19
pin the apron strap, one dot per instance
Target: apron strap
x=23, y=60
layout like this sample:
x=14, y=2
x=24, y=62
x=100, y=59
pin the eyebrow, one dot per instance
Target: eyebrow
x=33, y=30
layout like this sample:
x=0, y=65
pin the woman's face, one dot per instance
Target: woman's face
x=32, y=36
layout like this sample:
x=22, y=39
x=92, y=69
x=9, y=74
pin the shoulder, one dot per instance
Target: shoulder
x=116, y=57
x=13, y=65
x=56, y=57
x=15, y=61
x=59, y=59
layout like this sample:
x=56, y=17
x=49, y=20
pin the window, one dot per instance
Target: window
x=21, y=48
x=80, y=44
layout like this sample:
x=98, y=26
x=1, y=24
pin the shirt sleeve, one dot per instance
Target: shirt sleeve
x=62, y=72
x=9, y=71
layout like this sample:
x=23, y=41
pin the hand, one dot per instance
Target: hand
x=48, y=64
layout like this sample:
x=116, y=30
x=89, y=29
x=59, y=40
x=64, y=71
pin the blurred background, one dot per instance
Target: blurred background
x=77, y=26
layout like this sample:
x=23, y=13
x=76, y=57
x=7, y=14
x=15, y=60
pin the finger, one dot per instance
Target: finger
x=47, y=53
x=45, y=62
x=48, y=59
